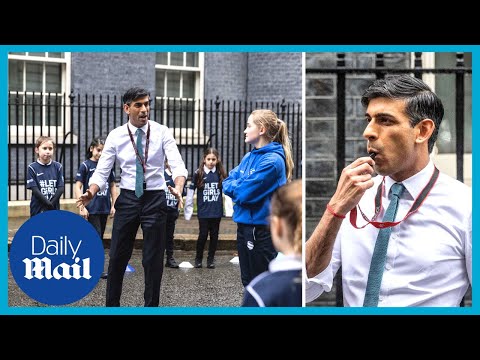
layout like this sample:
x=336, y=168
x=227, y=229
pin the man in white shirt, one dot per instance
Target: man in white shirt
x=136, y=206
x=428, y=261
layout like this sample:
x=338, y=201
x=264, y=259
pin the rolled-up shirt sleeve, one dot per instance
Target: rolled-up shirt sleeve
x=175, y=160
x=314, y=287
x=105, y=165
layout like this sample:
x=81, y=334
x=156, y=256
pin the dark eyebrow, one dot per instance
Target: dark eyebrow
x=381, y=114
x=142, y=103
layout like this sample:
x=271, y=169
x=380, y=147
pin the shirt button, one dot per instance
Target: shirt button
x=388, y=266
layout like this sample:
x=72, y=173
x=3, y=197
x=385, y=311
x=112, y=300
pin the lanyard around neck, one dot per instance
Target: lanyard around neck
x=142, y=161
x=378, y=205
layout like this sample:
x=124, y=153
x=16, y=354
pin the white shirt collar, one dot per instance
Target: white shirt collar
x=285, y=262
x=206, y=170
x=414, y=184
x=38, y=160
x=133, y=129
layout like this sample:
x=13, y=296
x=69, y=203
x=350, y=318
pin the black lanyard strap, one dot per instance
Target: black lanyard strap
x=378, y=205
x=142, y=161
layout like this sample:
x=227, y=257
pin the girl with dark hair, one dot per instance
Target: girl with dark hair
x=102, y=204
x=208, y=180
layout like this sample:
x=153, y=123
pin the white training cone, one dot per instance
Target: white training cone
x=185, y=265
x=235, y=260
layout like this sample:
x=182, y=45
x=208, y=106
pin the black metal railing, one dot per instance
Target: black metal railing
x=380, y=71
x=74, y=120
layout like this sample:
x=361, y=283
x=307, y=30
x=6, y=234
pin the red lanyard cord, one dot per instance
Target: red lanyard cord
x=378, y=205
x=143, y=162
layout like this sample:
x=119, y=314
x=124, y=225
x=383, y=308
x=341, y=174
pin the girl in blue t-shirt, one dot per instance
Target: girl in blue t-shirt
x=208, y=180
x=45, y=178
x=103, y=203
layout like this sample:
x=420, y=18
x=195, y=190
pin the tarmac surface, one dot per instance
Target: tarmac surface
x=219, y=287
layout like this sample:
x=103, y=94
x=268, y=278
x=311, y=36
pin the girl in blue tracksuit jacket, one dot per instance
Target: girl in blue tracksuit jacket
x=251, y=185
x=281, y=285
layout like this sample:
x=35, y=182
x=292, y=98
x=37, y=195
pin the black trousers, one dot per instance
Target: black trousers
x=99, y=222
x=255, y=250
x=149, y=211
x=207, y=225
x=172, y=217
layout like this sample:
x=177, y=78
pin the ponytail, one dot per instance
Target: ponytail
x=283, y=138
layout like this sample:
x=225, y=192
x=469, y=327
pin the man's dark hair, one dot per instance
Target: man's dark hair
x=420, y=101
x=133, y=94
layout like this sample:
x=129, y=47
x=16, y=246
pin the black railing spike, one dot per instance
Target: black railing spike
x=283, y=105
x=340, y=59
x=418, y=60
x=379, y=60
x=460, y=59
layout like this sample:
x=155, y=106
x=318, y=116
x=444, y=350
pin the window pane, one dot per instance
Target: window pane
x=176, y=58
x=188, y=85
x=37, y=54
x=15, y=75
x=187, y=108
x=53, y=78
x=161, y=58
x=192, y=59
x=173, y=84
x=15, y=108
x=55, y=55
x=34, y=77
x=160, y=83
x=17, y=53
x=53, y=110
x=33, y=110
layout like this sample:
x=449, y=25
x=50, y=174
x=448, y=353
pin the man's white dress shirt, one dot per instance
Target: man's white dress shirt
x=119, y=147
x=429, y=257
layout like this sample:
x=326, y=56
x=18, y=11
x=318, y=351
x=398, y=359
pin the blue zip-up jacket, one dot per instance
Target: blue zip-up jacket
x=252, y=183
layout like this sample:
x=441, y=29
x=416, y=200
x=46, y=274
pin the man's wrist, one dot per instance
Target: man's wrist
x=90, y=194
x=330, y=209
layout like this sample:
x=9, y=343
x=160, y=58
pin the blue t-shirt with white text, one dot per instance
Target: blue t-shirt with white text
x=48, y=178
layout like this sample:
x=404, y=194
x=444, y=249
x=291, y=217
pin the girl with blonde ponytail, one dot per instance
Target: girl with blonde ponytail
x=251, y=185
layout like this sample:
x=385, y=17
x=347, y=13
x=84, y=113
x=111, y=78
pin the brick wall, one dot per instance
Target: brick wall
x=226, y=75
x=112, y=73
x=275, y=76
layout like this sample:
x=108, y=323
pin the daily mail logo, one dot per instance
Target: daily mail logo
x=41, y=268
x=56, y=257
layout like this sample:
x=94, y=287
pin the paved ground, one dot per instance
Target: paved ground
x=219, y=287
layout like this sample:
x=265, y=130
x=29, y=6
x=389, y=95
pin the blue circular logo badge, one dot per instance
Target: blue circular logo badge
x=56, y=257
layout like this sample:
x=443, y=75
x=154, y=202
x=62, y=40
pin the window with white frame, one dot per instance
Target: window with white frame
x=179, y=93
x=444, y=86
x=37, y=82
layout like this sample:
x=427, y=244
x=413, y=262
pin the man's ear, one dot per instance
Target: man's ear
x=424, y=130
